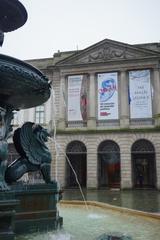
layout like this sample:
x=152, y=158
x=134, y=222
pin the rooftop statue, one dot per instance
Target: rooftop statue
x=29, y=141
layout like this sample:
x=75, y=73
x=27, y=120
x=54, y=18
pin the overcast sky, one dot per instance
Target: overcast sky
x=66, y=25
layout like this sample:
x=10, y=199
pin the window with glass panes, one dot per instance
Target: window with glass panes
x=39, y=114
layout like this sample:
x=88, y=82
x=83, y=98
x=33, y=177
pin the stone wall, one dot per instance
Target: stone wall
x=92, y=141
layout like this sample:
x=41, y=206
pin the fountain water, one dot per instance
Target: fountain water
x=58, y=148
x=120, y=225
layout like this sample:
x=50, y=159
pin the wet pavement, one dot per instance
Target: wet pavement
x=143, y=200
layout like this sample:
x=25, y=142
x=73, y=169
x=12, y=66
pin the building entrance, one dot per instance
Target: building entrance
x=76, y=154
x=109, y=164
x=143, y=164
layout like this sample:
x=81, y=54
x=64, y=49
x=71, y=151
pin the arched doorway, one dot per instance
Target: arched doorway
x=143, y=164
x=76, y=154
x=109, y=164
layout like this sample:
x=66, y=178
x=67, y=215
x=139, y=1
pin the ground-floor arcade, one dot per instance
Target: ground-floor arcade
x=108, y=160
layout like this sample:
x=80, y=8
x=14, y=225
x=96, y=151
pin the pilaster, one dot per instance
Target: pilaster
x=92, y=179
x=126, y=170
x=62, y=106
x=156, y=96
x=124, y=104
x=91, y=122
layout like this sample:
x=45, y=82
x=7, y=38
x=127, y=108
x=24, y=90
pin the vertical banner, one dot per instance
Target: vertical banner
x=140, y=94
x=77, y=98
x=108, y=96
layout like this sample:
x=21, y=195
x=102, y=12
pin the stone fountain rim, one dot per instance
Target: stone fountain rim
x=106, y=206
x=22, y=63
x=31, y=80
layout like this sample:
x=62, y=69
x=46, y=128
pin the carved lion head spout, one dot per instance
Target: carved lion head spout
x=40, y=133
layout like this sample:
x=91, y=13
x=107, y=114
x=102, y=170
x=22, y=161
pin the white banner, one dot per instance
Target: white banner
x=140, y=94
x=77, y=98
x=107, y=96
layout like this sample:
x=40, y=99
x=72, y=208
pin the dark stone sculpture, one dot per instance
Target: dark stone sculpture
x=12, y=16
x=23, y=86
x=30, y=141
x=18, y=80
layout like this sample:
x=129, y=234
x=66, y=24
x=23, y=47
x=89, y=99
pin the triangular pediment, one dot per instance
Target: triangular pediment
x=107, y=50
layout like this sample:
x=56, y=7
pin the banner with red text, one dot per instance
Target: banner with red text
x=108, y=96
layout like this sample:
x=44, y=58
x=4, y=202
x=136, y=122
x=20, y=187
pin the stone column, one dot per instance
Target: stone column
x=26, y=115
x=124, y=104
x=92, y=178
x=31, y=114
x=156, y=96
x=58, y=164
x=61, y=166
x=126, y=170
x=62, y=107
x=158, y=169
x=91, y=122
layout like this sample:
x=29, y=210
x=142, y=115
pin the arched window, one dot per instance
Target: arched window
x=76, y=147
x=143, y=164
x=76, y=157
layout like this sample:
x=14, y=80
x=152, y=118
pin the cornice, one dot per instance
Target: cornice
x=114, y=131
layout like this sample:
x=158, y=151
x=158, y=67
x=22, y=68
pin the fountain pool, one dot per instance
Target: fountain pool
x=82, y=224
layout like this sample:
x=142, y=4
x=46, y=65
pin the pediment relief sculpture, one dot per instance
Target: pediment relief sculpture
x=107, y=51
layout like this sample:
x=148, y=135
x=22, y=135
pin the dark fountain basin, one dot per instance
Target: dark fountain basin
x=21, y=85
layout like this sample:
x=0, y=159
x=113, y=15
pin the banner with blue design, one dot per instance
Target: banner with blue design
x=140, y=94
x=108, y=96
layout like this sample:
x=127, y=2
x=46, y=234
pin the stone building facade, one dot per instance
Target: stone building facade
x=119, y=148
